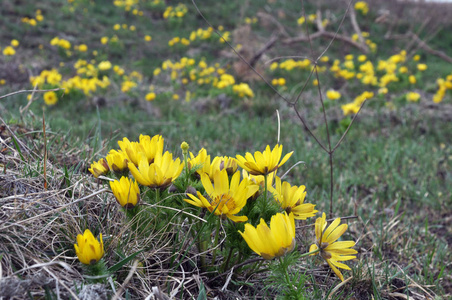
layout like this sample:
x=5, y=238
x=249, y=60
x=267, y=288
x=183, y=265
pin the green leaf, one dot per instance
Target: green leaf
x=120, y=264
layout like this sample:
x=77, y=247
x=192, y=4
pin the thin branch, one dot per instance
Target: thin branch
x=348, y=128
x=423, y=45
x=237, y=53
x=328, y=35
x=352, y=14
x=29, y=91
x=264, y=49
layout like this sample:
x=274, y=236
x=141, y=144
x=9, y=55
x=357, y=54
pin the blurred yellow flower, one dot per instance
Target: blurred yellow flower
x=350, y=108
x=104, y=65
x=271, y=242
x=104, y=40
x=301, y=20
x=412, y=97
x=224, y=197
x=88, y=249
x=147, y=38
x=9, y=51
x=412, y=79
x=422, y=67
x=333, y=95
x=126, y=192
x=331, y=250
x=362, y=7
x=150, y=96
x=15, y=43
x=82, y=48
x=50, y=98
x=263, y=163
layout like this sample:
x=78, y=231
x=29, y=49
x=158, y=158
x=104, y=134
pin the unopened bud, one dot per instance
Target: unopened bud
x=184, y=146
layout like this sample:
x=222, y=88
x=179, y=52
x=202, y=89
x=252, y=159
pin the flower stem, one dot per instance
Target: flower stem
x=217, y=233
x=187, y=172
x=310, y=253
x=265, y=192
x=286, y=275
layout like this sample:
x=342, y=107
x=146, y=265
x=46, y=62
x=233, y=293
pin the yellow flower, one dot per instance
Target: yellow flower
x=104, y=65
x=331, y=250
x=417, y=57
x=412, y=79
x=147, y=38
x=225, y=198
x=9, y=51
x=99, y=168
x=362, y=6
x=263, y=163
x=412, y=97
x=158, y=175
x=126, y=192
x=291, y=199
x=350, y=108
x=117, y=160
x=50, y=98
x=225, y=162
x=150, y=96
x=422, y=67
x=201, y=162
x=301, y=20
x=333, y=95
x=151, y=146
x=15, y=43
x=88, y=249
x=82, y=48
x=271, y=242
x=104, y=40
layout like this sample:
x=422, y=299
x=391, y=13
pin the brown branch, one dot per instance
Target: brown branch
x=272, y=19
x=422, y=44
x=355, y=26
x=327, y=35
x=264, y=49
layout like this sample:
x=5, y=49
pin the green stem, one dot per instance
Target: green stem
x=286, y=275
x=217, y=233
x=157, y=196
x=187, y=172
x=310, y=253
x=265, y=192
x=225, y=265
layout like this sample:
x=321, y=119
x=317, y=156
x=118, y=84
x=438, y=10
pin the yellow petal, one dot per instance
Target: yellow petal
x=335, y=270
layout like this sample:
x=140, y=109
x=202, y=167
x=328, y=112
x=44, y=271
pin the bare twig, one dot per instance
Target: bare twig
x=30, y=91
x=422, y=44
x=126, y=281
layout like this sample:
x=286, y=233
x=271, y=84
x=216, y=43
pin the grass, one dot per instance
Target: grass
x=392, y=171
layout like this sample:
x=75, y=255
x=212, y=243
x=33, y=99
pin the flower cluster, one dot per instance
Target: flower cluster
x=193, y=75
x=362, y=7
x=223, y=190
x=34, y=21
x=177, y=12
x=200, y=35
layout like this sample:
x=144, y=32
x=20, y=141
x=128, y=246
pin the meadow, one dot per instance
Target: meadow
x=154, y=149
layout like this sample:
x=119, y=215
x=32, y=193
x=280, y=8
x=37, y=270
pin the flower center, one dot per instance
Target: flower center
x=221, y=201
